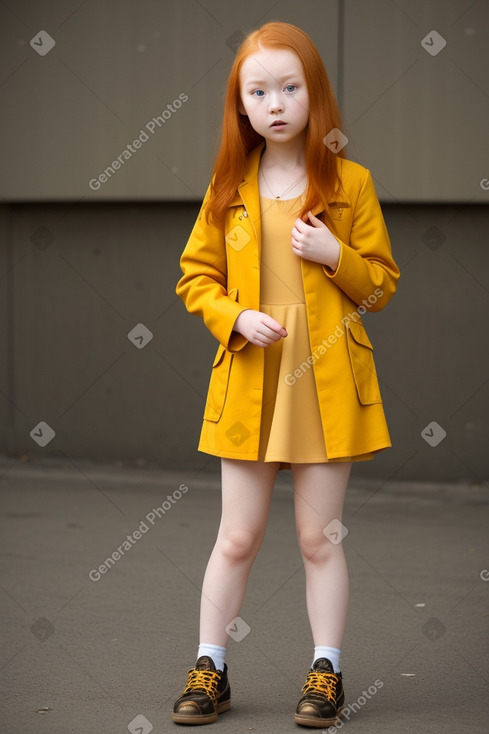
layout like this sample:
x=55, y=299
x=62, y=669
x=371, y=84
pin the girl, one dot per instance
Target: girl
x=289, y=249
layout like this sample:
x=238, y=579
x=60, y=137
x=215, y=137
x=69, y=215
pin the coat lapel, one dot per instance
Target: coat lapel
x=249, y=194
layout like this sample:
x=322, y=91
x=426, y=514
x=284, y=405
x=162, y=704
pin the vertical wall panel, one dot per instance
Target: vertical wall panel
x=419, y=121
x=115, y=66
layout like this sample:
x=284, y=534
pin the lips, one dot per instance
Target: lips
x=278, y=122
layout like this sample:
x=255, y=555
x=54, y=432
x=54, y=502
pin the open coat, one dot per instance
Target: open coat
x=221, y=278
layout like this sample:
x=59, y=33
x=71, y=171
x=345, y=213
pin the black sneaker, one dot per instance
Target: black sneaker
x=206, y=694
x=323, y=696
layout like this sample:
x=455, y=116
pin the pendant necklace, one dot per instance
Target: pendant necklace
x=292, y=184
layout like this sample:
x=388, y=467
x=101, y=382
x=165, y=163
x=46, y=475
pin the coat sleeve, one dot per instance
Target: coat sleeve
x=366, y=263
x=203, y=287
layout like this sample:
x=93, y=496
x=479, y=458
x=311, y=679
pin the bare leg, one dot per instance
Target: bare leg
x=319, y=491
x=246, y=493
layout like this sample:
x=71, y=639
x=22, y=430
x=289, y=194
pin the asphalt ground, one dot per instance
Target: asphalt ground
x=86, y=650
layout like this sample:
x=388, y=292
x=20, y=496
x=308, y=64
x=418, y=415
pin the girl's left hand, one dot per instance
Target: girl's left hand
x=315, y=242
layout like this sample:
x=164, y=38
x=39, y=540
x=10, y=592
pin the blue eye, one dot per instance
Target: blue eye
x=291, y=87
x=258, y=92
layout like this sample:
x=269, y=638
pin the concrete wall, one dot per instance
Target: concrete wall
x=77, y=279
x=410, y=76
x=81, y=267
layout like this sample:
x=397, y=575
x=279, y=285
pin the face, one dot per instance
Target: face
x=273, y=90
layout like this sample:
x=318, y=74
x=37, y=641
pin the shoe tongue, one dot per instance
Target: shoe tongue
x=205, y=663
x=323, y=665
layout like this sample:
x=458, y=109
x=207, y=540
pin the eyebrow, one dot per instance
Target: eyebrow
x=282, y=80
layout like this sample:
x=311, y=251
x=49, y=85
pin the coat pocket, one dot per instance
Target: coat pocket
x=362, y=363
x=218, y=385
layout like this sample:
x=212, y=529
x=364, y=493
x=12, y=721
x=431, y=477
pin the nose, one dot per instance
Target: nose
x=275, y=104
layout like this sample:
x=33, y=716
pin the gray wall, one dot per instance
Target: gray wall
x=419, y=120
x=68, y=306
x=80, y=268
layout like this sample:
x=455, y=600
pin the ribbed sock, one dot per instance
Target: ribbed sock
x=216, y=652
x=332, y=653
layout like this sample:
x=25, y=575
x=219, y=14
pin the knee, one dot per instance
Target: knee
x=315, y=546
x=239, y=545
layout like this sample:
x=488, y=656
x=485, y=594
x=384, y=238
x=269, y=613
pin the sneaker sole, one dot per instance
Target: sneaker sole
x=317, y=723
x=204, y=718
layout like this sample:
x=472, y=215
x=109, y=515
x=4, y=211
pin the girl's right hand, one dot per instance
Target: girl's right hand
x=259, y=328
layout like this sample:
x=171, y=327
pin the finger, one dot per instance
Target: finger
x=266, y=340
x=270, y=338
x=296, y=237
x=315, y=221
x=300, y=226
x=260, y=338
x=274, y=326
x=296, y=243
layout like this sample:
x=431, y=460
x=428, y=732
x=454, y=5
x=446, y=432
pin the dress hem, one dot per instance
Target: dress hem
x=252, y=456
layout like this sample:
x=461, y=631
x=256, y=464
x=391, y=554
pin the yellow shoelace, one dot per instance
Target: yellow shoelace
x=203, y=680
x=323, y=683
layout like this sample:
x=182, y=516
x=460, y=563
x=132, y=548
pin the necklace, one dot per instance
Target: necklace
x=275, y=196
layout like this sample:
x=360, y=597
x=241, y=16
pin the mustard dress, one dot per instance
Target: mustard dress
x=291, y=429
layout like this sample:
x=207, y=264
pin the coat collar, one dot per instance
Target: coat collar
x=249, y=184
x=248, y=191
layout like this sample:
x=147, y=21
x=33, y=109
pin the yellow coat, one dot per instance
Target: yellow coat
x=222, y=278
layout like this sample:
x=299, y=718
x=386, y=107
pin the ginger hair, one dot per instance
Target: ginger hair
x=238, y=138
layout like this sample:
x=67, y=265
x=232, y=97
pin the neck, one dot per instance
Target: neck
x=288, y=156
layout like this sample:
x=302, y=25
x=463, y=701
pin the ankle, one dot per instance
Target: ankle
x=215, y=652
x=330, y=653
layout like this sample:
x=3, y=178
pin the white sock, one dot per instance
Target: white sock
x=331, y=653
x=216, y=652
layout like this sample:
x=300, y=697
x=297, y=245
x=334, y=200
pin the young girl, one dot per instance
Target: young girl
x=289, y=249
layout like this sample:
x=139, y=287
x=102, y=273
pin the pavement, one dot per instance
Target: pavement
x=90, y=646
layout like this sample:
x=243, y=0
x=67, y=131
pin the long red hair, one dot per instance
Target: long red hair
x=238, y=138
